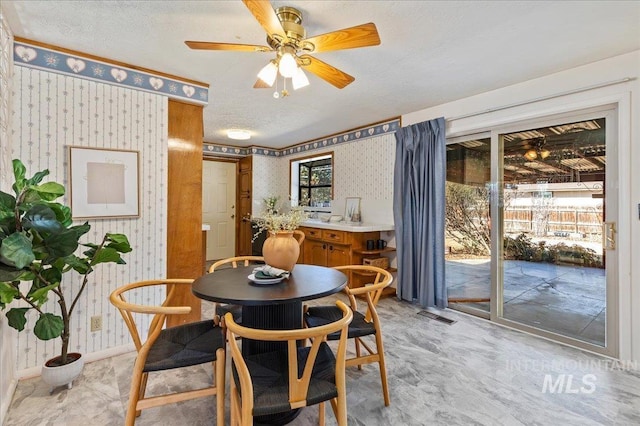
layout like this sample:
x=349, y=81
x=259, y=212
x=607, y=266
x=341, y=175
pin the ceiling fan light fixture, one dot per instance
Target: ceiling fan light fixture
x=544, y=153
x=531, y=155
x=288, y=65
x=269, y=73
x=238, y=134
x=299, y=80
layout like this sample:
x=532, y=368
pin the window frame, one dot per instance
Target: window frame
x=296, y=181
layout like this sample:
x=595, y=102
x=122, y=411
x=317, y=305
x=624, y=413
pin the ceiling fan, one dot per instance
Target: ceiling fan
x=287, y=38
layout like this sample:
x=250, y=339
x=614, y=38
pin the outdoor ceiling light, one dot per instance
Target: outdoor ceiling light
x=537, y=150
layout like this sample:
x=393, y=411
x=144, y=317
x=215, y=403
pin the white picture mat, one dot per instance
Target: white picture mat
x=104, y=183
x=352, y=205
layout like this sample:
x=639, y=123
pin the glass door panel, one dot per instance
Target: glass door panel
x=553, y=205
x=467, y=224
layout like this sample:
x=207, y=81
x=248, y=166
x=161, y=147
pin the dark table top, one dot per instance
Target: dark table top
x=231, y=285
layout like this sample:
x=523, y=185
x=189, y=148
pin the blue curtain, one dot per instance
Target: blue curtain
x=418, y=211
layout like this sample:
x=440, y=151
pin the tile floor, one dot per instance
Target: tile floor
x=471, y=372
x=568, y=300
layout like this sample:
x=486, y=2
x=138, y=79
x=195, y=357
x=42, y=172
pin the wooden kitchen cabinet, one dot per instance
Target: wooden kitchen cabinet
x=322, y=253
x=326, y=247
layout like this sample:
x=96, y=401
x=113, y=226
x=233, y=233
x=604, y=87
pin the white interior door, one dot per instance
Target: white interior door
x=218, y=208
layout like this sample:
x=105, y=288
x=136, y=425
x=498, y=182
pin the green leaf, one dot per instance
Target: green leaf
x=89, y=253
x=117, y=238
x=80, y=230
x=9, y=273
x=50, y=191
x=62, y=244
x=19, y=171
x=39, y=297
x=41, y=218
x=51, y=275
x=17, y=318
x=37, y=178
x=105, y=255
x=119, y=242
x=63, y=213
x=8, y=293
x=7, y=203
x=16, y=250
x=48, y=326
x=81, y=266
x=31, y=197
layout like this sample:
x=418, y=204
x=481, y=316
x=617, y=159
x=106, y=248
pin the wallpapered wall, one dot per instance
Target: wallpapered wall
x=363, y=168
x=7, y=336
x=52, y=112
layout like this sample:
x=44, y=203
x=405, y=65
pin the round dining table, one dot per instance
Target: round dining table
x=269, y=306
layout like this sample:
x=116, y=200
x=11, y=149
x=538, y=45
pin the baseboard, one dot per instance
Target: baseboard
x=28, y=373
x=5, y=400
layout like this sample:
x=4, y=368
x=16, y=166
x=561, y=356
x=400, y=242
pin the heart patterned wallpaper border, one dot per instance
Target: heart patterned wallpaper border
x=39, y=57
x=366, y=132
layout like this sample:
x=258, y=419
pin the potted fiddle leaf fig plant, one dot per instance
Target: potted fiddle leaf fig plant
x=38, y=245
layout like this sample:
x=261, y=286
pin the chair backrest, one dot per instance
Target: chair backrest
x=159, y=313
x=298, y=386
x=380, y=279
x=234, y=261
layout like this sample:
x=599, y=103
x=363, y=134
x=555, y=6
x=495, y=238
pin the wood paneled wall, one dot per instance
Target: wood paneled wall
x=184, y=221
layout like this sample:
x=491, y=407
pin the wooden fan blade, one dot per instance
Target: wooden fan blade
x=326, y=72
x=261, y=85
x=266, y=16
x=347, y=38
x=209, y=45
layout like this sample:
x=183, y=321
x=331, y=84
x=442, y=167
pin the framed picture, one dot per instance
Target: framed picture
x=104, y=183
x=352, y=210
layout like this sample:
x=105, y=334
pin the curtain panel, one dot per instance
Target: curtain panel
x=419, y=212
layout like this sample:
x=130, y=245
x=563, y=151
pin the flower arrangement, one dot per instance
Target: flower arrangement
x=271, y=202
x=273, y=222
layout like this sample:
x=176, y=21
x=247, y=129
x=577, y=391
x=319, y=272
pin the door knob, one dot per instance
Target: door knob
x=233, y=216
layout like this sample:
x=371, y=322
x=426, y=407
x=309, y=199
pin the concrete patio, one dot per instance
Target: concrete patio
x=567, y=300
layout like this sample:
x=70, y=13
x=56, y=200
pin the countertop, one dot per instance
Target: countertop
x=345, y=226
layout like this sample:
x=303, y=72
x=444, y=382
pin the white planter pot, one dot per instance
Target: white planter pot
x=64, y=374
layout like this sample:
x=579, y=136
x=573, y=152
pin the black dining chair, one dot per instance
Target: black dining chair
x=271, y=383
x=170, y=348
x=365, y=324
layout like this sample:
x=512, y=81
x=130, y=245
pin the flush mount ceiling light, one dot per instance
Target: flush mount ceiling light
x=288, y=39
x=238, y=134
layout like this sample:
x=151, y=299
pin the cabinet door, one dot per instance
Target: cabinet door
x=338, y=255
x=315, y=253
x=244, y=234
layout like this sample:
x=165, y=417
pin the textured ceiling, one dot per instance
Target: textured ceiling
x=431, y=53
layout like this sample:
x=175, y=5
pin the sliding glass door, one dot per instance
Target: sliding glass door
x=467, y=223
x=531, y=227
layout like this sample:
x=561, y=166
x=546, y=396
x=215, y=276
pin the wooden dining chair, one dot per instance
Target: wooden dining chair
x=222, y=308
x=169, y=348
x=281, y=381
x=363, y=324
